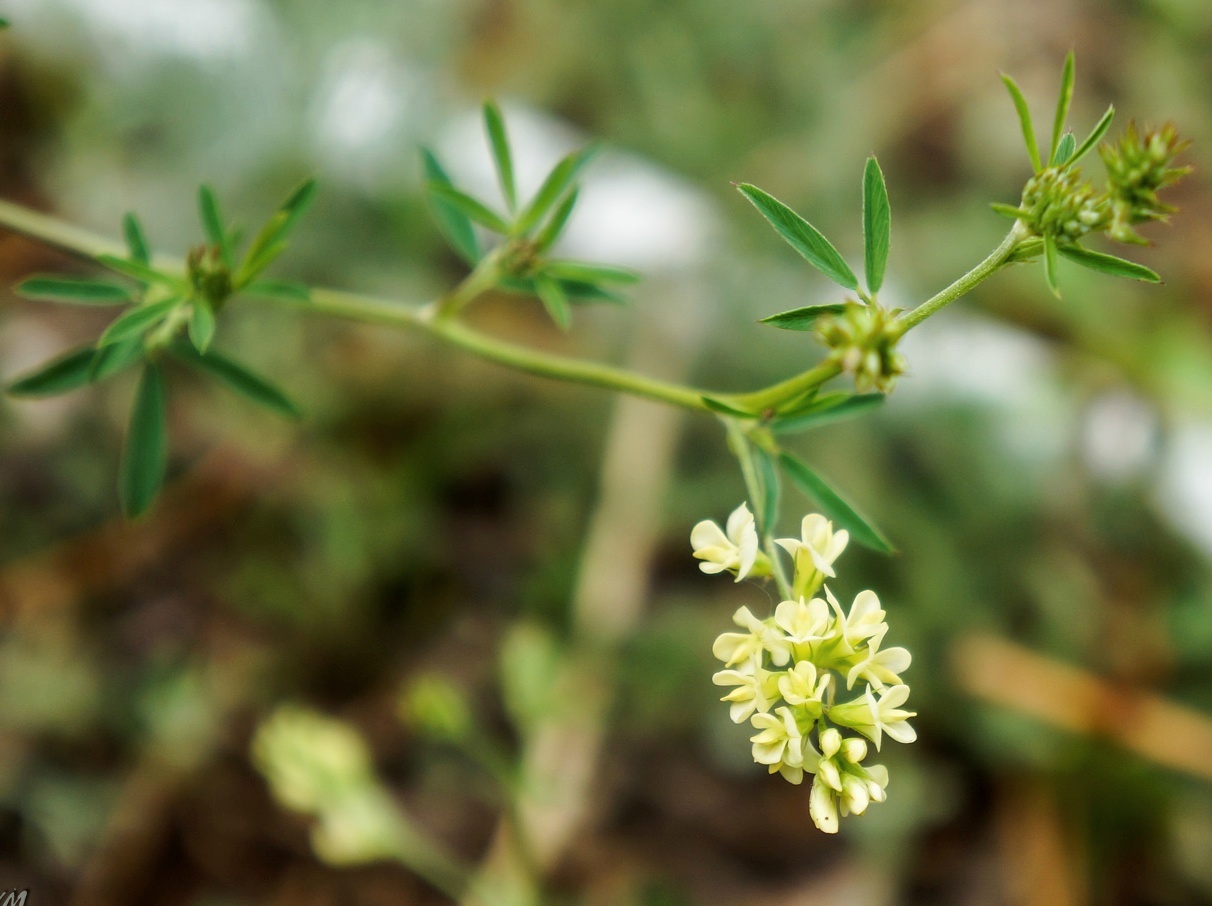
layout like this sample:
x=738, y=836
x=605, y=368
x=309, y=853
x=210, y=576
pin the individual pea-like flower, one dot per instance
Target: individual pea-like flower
x=804, y=688
x=814, y=552
x=735, y=647
x=842, y=785
x=780, y=744
x=865, y=620
x=879, y=668
x=874, y=717
x=733, y=548
x=756, y=689
x=804, y=622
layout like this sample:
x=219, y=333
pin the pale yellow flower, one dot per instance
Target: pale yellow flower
x=874, y=717
x=814, y=552
x=756, y=689
x=735, y=647
x=733, y=548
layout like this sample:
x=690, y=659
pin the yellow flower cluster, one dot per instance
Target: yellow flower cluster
x=787, y=672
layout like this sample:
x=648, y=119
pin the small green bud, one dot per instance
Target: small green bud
x=1138, y=167
x=433, y=705
x=863, y=341
x=1059, y=203
x=209, y=275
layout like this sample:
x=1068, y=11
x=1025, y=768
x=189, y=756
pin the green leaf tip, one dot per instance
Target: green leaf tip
x=1108, y=264
x=877, y=225
x=494, y=125
x=801, y=236
x=73, y=291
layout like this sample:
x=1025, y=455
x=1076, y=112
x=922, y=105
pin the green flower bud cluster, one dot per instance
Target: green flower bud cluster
x=787, y=671
x=1138, y=166
x=862, y=340
x=209, y=275
x=1058, y=202
x=321, y=767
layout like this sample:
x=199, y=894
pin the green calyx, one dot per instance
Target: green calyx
x=863, y=340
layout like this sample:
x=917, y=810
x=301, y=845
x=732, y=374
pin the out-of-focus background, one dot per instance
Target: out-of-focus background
x=1045, y=470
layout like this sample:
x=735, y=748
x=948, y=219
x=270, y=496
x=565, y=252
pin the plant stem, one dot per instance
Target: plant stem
x=997, y=259
x=437, y=318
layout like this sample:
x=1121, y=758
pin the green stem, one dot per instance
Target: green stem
x=739, y=444
x=997, y=259
x=437, y=319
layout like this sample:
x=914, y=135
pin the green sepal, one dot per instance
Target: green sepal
x=238, y=378
x=1050, y=264
x=145, y=456
x=469, y=206
x=74, y=291
x=558, y=181
x=1096, y=134
x=278, y=289
x=1108, y=264
x=877, y=225
x=802, y=318
x=723, y=408
x=555, y=224
x=212, y=223
x=1062, y=107
x=552, y=296
x=452, y=222
x=145, y=274
x=833, y=506
x=201, y=324
x=1024, y=119
x=831, y=408
x=1064, y=150
x=801, y=236
x=584, y=272
x=1008, y=210
x=137, y=321
x=136, y=239
x=494, y=125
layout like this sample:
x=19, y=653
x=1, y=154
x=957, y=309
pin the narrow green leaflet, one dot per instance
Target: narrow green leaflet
x=877, y=225
x=1024, y=119
x=296, y=204
x=138, y=271
x=1096, y=134
x=109, y=360
x=146, y=453
x=270, y=240
x=495, y=126
x=555, y=224
x=574, y=290
x=452, y=222
x=1050, y=264
x=802, y=318
x=1064, y=151
x=238, y=378
x=60, y=375
x=583, y=272
x=828, y=409
x=1008, y=210
x=278, y=289
x=768, y=477
x=1108, y=264
x=73, y=290
x=136, y=240
x=833, y=506
x=212, y=223
x=137, y=321
x=201, y=324
x=558, y=181
x=470, y=207
x=254, y=264
x=1062, y=106
x=801, y=236
x=554, y=300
